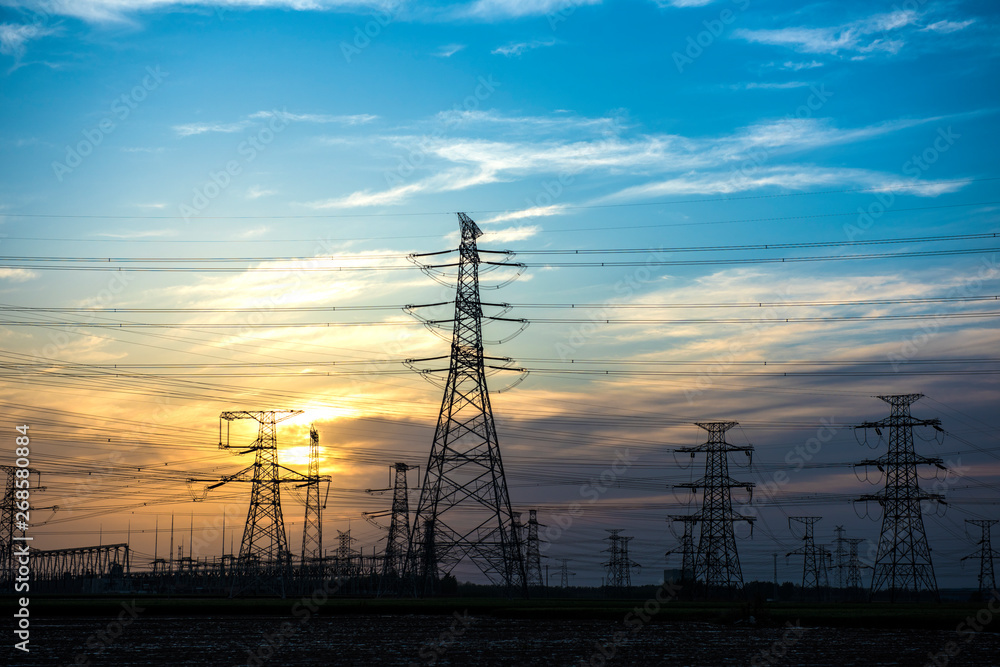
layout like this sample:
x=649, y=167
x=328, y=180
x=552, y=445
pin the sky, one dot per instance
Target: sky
x=208, y=206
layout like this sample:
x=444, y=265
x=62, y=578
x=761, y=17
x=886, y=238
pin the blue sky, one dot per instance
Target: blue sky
x=354, y=131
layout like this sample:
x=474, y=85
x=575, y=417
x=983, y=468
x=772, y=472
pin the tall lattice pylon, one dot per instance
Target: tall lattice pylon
x=397, y=542
x=903, y=563
x=987, y=582
x=264, y=539
x=811, y=555
x=312, y=529
x=464, y=497
x=532, y=553
x=717, y=562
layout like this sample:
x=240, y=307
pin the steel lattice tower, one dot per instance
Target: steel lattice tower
x=533, y=559
x=987, y=582
x=264, y=538
x=687, y=546
x=839, y=555
x=397, y=541
x=564, y=573
x=903, y=562
x=619, y=564
x=312, y=529
x=345, y=552
x=808, y=551
x=717, y=563
x=464, y=498
x=7, y=511
x=853, y=564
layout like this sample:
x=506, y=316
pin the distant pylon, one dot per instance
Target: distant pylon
x=808, y=551
x=686, y=547
x=564, y=573
x=312, y=529
x=987, y=582
x=903, y=563
x=264, y=538
x=619, y=565
x=854, y=565
x=717, y=563
x=533, y=559
x=345, y=552
x=464, y=497
x=399, y=525
x=840, y=555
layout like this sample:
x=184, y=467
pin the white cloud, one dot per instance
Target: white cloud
x=948, y=26
x=192, y=129
x=865, y=35
x=532, y=212
x=448, y=50
x=682, y=3
x=672, y=164
x=256, y=192
x=14, y=37
x=119, y=11
x=17, y=275
x=499, y=9
x=762, y=85
x=518, y=48
x=798, y=66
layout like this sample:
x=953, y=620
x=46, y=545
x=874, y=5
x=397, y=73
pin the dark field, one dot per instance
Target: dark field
x=484, y=632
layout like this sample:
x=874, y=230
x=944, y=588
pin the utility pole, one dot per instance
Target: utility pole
x=464, y=497
x=903, y=563
x=717, y=563
x=987, y=582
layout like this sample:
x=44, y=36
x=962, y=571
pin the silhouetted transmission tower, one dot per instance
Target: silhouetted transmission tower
x=619, y=564
x=312, y=530
x=903, y=562
x=564, y=573
x=987, y=582
x=811, y=555
x=397, y=542
x=264, y=538
x=717, y=563
x=533, y=559
x=464, y=499
x=686, y=547
x=854, y=565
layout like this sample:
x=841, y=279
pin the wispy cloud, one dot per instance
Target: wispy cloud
x=518, y=48
x=17, y=275
x=765, y=85
x=672, y=164
x=501, y=9
x=531, y=212
x=14, y=37
x=256, y=192
x=885, y=33
x=192, y=129
x=865, y=35
x=448, y=50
